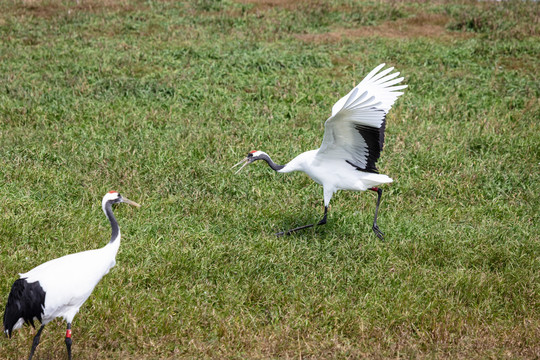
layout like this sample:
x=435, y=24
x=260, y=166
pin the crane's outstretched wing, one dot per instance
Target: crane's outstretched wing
x=355, y=131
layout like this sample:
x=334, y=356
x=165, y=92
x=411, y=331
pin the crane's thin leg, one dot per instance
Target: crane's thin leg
x=35, y=343
x=68, y=340
x=321, y=222
x=375, y=228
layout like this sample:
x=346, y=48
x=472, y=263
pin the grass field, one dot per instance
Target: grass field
x=158, y=99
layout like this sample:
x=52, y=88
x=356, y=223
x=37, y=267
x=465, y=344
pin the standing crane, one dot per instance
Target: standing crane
x=59, y=287
x=352, y=143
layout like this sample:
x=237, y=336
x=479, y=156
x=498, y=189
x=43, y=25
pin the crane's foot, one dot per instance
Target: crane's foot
x=321, y=222
x=378, y=232
x=289, y=232
x=375, y=228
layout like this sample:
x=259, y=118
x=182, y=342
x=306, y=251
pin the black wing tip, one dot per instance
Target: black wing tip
x=26, y=300
x=370, y=168
x=374, y=138
x=382, y=130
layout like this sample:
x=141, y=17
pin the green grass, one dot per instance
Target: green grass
x=158, y=99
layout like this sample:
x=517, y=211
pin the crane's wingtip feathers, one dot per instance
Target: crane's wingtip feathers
x=25, y=303
x=399, y=87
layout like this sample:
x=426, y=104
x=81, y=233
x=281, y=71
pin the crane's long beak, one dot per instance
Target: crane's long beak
x=127, y=201
x=245, y=161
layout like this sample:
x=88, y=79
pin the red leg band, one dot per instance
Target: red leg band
x=68, y=333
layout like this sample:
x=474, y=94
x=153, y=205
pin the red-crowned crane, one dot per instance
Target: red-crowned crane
x=59, y=287
x=352, y=143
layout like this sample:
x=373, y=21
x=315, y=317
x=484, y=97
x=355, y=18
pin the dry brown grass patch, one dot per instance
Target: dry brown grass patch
x=269, y=4
x=54, y=8
x=520, y=64
x=420, y=25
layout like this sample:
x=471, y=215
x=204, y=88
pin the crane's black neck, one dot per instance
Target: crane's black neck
x=114, y=224
x=270, y=163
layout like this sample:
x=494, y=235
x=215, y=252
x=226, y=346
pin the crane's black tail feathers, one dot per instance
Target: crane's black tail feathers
x=26, y=301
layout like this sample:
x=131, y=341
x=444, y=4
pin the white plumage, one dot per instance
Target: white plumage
x=352, y=142
x=69, y=280
x=59, y=287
